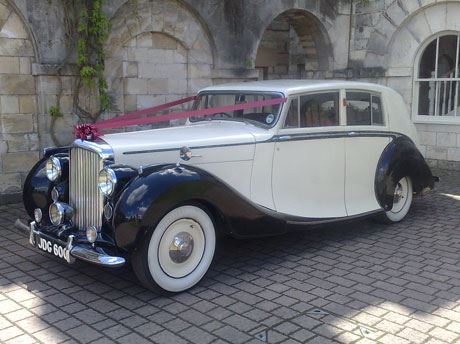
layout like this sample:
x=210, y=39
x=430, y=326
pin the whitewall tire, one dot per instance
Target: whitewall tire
x=179, y=251
x=402, y=201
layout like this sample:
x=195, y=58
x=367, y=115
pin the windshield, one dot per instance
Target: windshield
x=265, y=116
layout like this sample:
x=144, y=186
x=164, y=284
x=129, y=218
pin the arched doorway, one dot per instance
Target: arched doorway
x=157, y=52
x=294, y=45
x=19, y=139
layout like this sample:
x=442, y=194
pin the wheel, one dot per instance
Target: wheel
x=179, y=251
x=402, y=201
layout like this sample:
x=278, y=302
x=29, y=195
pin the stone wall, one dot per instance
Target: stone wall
x=164, y=49
x=19, y=141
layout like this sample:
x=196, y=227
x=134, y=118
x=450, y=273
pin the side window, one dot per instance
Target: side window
x=314, y=110
x=364, y=108
x=292, y=118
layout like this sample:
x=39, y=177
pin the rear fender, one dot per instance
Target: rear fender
x=400, y=158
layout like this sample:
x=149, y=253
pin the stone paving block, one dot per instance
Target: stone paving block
x=84, y=333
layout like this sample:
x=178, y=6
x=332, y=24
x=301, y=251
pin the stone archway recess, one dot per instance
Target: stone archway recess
x=156, y=52
x=19, y=141
x=294, y=45
x=412, y=26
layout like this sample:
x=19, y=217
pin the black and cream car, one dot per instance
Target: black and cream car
x=333, y=150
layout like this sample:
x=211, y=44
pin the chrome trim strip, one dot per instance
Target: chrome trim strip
x=286, y=138
x=97, y=258
x=100, y=147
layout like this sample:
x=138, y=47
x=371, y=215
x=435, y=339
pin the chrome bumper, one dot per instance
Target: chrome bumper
x=76, y=251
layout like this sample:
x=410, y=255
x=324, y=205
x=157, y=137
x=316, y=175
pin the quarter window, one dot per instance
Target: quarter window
x=314, y=110
x=364, y=109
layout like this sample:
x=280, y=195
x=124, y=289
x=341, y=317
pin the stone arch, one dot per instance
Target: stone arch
x=295, y=44
x=19, y=139
x=156, y=52
x=398, y=51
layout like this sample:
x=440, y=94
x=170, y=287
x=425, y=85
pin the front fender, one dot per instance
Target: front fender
x=400, y=158
x=160, y=189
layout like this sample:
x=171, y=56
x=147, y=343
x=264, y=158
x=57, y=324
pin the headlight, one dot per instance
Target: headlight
x=60, y=212
x=53, y=169
x=107, y=181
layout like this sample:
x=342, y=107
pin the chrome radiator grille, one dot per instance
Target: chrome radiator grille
x=85, y=197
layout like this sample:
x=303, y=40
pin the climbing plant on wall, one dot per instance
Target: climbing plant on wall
x=86, y=29
x=93, y=29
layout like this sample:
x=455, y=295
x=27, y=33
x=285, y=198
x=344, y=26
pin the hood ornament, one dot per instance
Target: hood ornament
x=185, y=153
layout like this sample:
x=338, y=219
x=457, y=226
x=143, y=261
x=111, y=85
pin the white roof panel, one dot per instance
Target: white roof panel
x=288, y=87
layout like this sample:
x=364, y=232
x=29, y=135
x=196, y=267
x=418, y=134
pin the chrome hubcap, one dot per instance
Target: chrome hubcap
x=181, y=247
x=398, y=193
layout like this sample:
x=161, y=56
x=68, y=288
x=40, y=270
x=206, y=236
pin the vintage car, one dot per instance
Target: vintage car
x=332, y=150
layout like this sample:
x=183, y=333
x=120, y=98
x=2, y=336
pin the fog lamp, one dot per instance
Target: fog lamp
x=55, y=194
x=108, y=211
x=107, y=181
x=60, y=212
x=91, y=234
x=38, y=215
x=53, y=168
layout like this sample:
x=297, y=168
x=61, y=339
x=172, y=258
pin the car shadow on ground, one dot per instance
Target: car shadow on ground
x=342, y=282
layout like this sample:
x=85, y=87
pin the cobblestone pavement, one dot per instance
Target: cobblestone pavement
x=359, y=282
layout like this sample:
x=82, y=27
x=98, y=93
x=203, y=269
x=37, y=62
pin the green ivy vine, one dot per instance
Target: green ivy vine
x=92, y=31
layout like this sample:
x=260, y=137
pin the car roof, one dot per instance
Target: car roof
x=289, y=87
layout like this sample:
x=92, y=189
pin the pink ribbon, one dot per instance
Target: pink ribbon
x=91, y=131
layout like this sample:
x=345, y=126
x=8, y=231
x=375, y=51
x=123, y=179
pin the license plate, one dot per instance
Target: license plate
x=52, y=248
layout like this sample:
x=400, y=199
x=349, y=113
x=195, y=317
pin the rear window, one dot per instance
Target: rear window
x=364, y=108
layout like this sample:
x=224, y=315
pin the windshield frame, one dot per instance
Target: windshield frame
x=230, y=92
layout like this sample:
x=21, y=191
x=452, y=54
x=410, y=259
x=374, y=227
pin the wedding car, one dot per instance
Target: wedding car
x=253, y=159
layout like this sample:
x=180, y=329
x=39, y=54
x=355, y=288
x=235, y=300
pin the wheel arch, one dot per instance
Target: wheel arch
x=157, y=191
x=400, y=158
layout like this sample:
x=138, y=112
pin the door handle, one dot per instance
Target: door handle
x=352, y=133
x=284, y=138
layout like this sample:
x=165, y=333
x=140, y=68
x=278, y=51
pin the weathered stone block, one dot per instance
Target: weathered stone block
x=49, y=84
x=22, y=142
x=446, y=140
x=437, y=16
x=158, y=86
x=130, y=69
x=9, y=65
x=135, y=86
x=17, y=84
x=25, y=65
x=161, y=41
x=17, y=123
x=144, y=40
x=19, y=162
x=453, y=154
x=427, y=138
x=177, y=86
x=15, y=47
x=148, y=101
x=130, y=102
x=10, y=182
x=9, y=104
x=14, y=28
x=436, y=153
x=27, y=104
x=147, y=70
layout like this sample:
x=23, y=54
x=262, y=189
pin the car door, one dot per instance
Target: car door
x=367, y=138
x=309, y=158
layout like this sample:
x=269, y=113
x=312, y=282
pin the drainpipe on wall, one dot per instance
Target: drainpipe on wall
x=349, y=39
